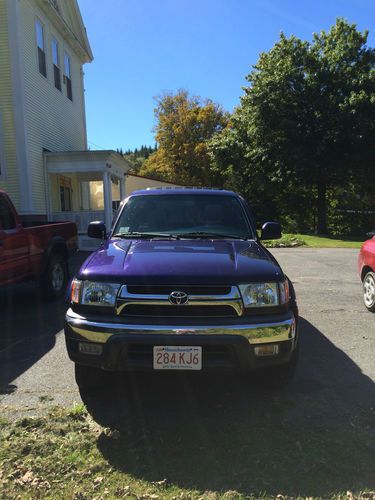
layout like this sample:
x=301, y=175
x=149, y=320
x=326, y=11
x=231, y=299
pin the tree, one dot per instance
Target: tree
x=306, y=123
x=137, y=157
x=184, y=126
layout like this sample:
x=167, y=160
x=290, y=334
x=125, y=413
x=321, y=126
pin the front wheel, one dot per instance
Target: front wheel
x=369, y=291
x=88, y=377
x=280, y=375
x=55, y=277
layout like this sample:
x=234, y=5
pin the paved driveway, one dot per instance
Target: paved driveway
x=220, y=432
x=338, y=340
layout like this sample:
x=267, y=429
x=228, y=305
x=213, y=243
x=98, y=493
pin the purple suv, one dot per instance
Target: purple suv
x=182, y=282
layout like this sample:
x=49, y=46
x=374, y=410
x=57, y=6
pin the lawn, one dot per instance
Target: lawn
x=314, y=241
x=330, y=242
x=66, y=454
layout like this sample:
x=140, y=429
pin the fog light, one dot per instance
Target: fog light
x=266, y=350
x=86, y=348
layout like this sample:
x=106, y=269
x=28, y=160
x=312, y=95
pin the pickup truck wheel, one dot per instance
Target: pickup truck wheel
x=88, y=377
x=55, y=277
x=369, y=291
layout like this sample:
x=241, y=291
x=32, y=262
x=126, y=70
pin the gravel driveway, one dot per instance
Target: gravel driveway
x=337, y=368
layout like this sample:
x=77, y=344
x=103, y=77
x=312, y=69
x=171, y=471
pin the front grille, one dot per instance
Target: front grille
x=168, y=289
x=178, y=311
x=210, y=301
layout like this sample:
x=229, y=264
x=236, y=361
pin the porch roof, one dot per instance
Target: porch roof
x=83, y=162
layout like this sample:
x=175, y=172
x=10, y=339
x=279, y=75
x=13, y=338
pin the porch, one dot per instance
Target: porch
x=84, y=186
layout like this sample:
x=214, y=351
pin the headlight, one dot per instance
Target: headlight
x=94, y=293
x=265, y=294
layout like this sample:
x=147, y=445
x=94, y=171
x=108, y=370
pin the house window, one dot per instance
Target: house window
x=65, y=194
x=7, y=220
x=68, y=76
x=56, y=63
x=66, y=199
x=41, y=48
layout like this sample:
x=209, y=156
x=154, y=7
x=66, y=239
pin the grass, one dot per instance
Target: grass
x=287, y=241
x=67, y=455
x=313, y=241
x=329, y=242
x=78, y=410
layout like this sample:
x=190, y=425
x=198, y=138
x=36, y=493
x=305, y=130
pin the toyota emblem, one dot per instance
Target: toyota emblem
x=178, y=298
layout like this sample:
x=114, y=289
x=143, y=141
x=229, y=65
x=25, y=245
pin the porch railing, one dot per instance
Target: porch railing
x=82, y=218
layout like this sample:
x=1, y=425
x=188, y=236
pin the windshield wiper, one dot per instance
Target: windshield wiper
x=204, y=234
x=135, y=234
x=194, y=234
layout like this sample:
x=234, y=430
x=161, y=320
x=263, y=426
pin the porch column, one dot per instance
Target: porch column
x=107, y=191
x=122, y=188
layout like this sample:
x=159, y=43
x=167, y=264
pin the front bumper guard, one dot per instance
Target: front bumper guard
x=255, y=333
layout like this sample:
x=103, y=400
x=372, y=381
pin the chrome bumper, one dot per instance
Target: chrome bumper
x=258, y=333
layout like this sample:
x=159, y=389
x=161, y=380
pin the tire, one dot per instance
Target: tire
x=287, y=372
x=368, y=284
x=55, y=279
x=281, y=375
x=88, y=377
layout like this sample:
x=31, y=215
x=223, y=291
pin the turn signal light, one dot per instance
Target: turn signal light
x=266, y=350
x=86, y=348
x=75, y=291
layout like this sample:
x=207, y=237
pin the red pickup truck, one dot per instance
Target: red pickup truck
x=33, y=251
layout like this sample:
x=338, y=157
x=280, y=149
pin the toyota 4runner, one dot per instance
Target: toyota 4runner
x=182, y=282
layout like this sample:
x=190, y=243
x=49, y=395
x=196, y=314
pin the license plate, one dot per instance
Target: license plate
x=177, y=357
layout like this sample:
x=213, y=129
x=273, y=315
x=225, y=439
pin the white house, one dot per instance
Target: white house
x=45, y=164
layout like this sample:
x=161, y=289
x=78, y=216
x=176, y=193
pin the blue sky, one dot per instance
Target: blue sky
x=143, y=48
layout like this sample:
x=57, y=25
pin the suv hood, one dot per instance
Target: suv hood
x=181, y=262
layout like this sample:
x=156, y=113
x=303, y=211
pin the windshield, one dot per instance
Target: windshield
x=195, y=216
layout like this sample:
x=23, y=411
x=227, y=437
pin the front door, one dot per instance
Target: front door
x=14, y=247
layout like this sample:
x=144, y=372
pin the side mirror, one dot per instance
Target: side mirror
x=97, y=229
x=271, y=231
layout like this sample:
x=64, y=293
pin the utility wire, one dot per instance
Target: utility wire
x=96, y=145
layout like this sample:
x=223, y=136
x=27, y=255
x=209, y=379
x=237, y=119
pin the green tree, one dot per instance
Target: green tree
x=184, y=124
x=137, y=157
x=306, y=123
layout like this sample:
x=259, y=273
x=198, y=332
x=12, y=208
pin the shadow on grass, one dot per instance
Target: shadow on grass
x=221, y=432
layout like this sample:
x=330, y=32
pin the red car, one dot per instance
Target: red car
x=366, y=267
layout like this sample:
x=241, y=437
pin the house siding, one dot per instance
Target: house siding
x=52, y=121
x=9, y=174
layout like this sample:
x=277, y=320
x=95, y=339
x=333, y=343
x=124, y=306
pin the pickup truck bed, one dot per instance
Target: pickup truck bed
x=35, y=252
